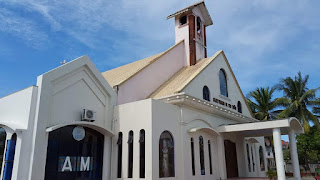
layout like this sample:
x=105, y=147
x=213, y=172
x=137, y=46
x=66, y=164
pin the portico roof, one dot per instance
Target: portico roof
x=263, y=128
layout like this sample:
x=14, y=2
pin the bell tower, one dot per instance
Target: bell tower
x=190, y=26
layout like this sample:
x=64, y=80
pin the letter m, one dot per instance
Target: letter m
x=85, y=164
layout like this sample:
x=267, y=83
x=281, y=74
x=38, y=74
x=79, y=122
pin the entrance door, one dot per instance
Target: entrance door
x=231, y=159
x=74, y=153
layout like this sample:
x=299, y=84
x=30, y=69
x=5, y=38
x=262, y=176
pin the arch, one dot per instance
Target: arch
x=261, y=157
x=239, y=107
x=3, y=138
x=223, y=83
x=166, y=155
x=208, y=130
x=201, y=151
x=142, y=152
x=130, y=154
x=119, y=143
x=253, y=140
x=206, y=93
x=295, y=125
x=76, y=150
x=96, y=127
x=9, y=159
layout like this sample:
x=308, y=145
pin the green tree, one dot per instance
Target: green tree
x=308, y=146
x=298, y=98
x=261, y=103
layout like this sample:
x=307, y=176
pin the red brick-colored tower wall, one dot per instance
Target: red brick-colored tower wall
x=192, y=36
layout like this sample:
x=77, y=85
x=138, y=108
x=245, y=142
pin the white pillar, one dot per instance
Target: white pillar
x=278, y=152
x=294, y=155
x=221, y=158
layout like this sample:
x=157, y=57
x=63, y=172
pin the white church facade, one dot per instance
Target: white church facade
x=177, y=115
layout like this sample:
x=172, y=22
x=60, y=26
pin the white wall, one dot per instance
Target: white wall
x=62, y=95
x=149, y=79
x=210, y=77
x=199, y=39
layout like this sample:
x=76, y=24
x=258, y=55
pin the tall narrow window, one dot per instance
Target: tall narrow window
x=142, y=153
x=10, y=152
x=3, y=136
x=206, y=93
x=130, y=154
x=119, y=142
x=201, y=150
x=239, y=107
x=166, y=155
x=223, y=83
x=198, y=25
x=248, y=157
x=253, y=164
x=262, y=166
x=210, y=160
x=192, y=158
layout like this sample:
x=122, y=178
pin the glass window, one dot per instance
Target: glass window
x=201, y=150
x=253, y=164
x=210, y=160
x=262, y=167
x=166, y=155
x=183, y=20
x=206, y=93
x=130, y=154
x=192, y=158
x=119, y=142
x=248, y=157
x=223, y=83
x=142, y=153
x=198, y=25
x=3, y=136
x=239, y=107
x=9, y=159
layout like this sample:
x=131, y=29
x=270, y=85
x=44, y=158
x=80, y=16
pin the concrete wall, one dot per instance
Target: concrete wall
x=210, y=77
x=182, y=33
x=63, y=93
x=149, y=79
x=200, y=53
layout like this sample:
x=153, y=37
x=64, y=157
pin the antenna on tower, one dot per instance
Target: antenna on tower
x=63, y=62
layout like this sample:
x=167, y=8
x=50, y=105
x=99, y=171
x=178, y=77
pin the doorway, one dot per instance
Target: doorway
x=231, y=159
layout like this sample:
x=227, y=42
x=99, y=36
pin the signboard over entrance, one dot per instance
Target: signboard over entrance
x=72, y=163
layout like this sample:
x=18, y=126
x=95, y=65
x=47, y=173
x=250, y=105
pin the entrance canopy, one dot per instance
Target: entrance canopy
x=263, y=128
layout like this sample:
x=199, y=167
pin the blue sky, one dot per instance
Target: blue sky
x=264, y=40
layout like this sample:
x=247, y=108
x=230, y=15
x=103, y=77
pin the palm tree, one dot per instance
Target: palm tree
x=261, y=103
x=298, y=99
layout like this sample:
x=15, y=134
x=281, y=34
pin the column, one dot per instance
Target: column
x=221, y=158
x=278, y=152
x=294, y=155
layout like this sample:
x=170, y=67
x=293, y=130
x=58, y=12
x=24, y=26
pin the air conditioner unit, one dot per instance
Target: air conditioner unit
x=88, y=115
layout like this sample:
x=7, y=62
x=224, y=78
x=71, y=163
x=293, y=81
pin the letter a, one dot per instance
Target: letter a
x=67, y=164
x=85, y=165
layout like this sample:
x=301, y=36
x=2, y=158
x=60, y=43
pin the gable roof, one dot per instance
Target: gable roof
x=121, y=74
x=183, y=77
x=203, y=9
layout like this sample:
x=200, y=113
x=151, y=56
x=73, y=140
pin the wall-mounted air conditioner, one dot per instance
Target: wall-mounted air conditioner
x=88, y=115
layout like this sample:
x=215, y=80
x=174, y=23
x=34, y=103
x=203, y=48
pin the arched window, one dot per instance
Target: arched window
x=119, y=142
x=248, y=157
x=198, y=25
x=183, y=20
x=3, y=136
x=210, y=158
x=206, y=93
x=166, y=155
x=192, y=157
x=201, y=150
x=253, y=164
x=261, y=156
x=223, y=83
x=239, y=107
x=10, y=152
x=142, y=153
x=130, y=154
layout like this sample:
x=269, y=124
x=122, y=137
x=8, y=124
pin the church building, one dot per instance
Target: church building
x=176, y=115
